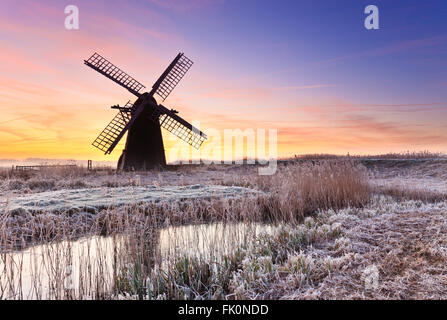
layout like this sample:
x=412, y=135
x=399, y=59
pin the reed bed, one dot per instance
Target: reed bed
x=407, y=155
x=145, y=255
x=301, y=190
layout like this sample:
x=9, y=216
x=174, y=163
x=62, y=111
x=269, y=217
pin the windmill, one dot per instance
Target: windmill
x=144, y=118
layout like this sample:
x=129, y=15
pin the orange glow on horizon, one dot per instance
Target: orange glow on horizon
x=53, y=106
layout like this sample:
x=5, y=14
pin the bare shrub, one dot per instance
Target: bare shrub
x=77, y=184
x=24, y=175
x=4, y=174
x=15, y=184
x=111, y=184
x=72, y=184
x=41, y=184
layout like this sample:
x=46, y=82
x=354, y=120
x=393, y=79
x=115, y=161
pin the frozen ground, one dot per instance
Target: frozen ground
x=100, y=198
x=402, y=239
x=386, y=251
x=184, y=176
x=417, y=175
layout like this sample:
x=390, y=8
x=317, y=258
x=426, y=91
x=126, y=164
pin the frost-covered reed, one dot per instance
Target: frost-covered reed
x=244, y=263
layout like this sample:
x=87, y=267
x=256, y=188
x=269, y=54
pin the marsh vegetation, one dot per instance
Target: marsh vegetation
x=310, y=231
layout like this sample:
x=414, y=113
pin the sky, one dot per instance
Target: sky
x=308, y=69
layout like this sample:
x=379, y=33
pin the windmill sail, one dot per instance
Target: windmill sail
x=178, y=126
x=106, y=68
x=172, y=76
x=145, y=118
x=107, y=139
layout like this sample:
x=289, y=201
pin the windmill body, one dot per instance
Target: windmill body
x=144, y=144
x=144, y=119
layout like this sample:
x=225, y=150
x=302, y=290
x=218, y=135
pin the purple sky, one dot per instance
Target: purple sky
x=309, y=69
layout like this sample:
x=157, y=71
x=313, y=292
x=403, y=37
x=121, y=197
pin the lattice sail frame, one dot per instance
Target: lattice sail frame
x=174, y=76
x=184, y=131
x=107, y=137
x=108, y=69
x=114, y=131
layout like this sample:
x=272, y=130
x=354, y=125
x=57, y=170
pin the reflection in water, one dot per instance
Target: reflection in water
x=88, y=267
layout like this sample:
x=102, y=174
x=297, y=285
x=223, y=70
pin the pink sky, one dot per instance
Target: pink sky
x=53, y=106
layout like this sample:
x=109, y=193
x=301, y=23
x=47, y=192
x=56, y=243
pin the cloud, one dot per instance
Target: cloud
x=358, y=134
x=402, y=46
x=13, y=60
x=15, y=119
x=313, y=86
x=26, y=90
x=186, y=5
x=109, y=24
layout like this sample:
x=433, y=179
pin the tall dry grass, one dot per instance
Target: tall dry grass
x=425, y=154
x=134, y=266
x=295, y=192
x=300, y=190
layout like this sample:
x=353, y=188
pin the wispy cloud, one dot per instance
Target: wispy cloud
x=182, y=5
x=16, y=119
x=403, y=46
x=53, y=104
x=312, y=86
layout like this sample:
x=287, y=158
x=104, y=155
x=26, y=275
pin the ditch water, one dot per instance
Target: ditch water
x=87, y=267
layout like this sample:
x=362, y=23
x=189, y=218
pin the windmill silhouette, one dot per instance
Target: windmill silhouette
x=144, y=118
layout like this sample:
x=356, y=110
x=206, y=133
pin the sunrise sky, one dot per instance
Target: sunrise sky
x=309, y=69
